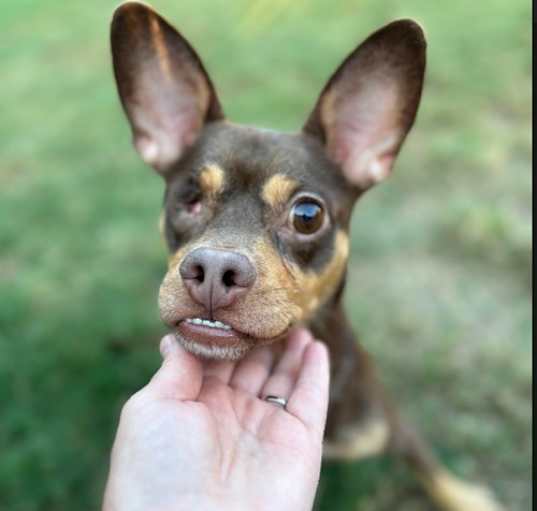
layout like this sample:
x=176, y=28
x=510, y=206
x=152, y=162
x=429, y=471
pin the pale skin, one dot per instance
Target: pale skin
x=201, y=436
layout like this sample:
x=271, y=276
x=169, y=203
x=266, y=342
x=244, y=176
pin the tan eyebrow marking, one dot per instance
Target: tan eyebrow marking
x=212, y=180
x=278, y=189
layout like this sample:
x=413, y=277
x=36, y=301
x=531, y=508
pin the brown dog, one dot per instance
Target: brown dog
x=257, y=221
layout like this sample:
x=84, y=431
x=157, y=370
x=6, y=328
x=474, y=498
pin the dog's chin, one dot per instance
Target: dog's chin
x=214, y=351
x=216, y=340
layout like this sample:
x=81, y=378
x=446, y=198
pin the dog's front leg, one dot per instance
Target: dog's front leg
x=362, y=420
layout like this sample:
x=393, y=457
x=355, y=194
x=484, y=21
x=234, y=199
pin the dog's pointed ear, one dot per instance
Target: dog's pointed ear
x=164, y=88
x=369, y=104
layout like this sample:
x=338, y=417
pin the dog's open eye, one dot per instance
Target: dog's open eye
x=307, y=216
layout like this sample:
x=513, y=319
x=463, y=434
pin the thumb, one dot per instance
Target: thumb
x=180, y=374
x=309, y=399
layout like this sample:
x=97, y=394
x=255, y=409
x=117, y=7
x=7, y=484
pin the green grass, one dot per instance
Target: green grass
x=440, y=282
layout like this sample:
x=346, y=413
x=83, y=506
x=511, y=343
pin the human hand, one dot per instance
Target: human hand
x=201, y=436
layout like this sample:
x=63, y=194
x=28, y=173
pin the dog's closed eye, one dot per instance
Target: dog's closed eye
x=188, y=199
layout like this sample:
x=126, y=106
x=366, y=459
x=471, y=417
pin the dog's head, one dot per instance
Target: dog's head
x=257, y=221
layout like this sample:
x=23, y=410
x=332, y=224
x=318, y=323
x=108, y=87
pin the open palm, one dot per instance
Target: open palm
x=200, y=434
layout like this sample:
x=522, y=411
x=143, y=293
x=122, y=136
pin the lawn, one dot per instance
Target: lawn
x=440, y=273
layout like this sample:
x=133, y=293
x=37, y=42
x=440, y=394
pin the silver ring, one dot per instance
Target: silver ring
x=276, y=400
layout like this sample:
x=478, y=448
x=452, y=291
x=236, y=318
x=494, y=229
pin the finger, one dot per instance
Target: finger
x=283, y=378
x=252, y=372
x=179, y=376
x=220, y=369
x=309, y=398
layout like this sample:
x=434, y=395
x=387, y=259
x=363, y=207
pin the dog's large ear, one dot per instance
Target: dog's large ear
x=369, y=104
x=164, y=88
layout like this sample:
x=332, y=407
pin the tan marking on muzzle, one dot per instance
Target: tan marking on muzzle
x=305, y=291
x=278, y=189
x=316, y=288
x=283, y=294
x=174, y=260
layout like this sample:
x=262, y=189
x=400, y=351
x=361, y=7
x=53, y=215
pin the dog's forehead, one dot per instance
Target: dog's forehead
x=255, y=151
x=253, y=157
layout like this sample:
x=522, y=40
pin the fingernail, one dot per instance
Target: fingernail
x=299, y=336
x=321, y=345
x=304, y=333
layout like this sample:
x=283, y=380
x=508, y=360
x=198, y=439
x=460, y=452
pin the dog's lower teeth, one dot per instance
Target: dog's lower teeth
x=207, y=323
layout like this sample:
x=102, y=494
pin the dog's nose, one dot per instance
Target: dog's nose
x=216, y=278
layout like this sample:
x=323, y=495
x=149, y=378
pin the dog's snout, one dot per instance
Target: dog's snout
x=216, y=278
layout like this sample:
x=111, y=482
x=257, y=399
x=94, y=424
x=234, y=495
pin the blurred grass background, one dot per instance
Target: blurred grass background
x=440, y=272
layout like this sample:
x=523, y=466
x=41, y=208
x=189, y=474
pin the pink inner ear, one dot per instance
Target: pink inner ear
x=166, y=92
x=168, y=115
x=370, y=102
x=362, y=129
